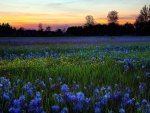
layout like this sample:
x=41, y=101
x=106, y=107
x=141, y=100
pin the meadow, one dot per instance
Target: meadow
x=72, y=78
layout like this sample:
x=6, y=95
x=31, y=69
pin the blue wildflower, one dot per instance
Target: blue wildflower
x=14, y=110
x=72, y=98
x=109, y=88
x=5, y=84
x=59, y=98
x=34, y=103
x=28, y=86
x=64, y=88
x=137, y=104
x=16, y=103
x=37, y=81
x=64, y=110
x=147, y=108
x=22, y=98
x=55, y=108
x=126, y=99
x=128, y=90
x=97, y=104
x=18, y=81
x=142, y=87
x=147, y=74
x=6, y=96
x=93, y=58
x=129, y=102
x=43, y=84
x=111, y=111
x=96, y=91
x=144, y=102
x=77, y=86
x=121, y=110
x=39, y=109
x=29, y=92
x=117, y=95
x=126, y=67
x=103, y=102
x=53, y=86
x=80, y=96
x=97, y=110
x=50, y=79
x=107, y=96
x=78, y=107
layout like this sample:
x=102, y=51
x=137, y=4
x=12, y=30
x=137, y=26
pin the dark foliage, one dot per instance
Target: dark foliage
x=111, y=29
x=113, y=17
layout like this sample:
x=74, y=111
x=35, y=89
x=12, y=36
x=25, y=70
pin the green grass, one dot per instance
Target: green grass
x=72, y=68
x=77, y=68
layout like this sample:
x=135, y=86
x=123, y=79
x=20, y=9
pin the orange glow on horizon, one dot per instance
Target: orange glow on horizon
x=123, y=21
x=31, y=21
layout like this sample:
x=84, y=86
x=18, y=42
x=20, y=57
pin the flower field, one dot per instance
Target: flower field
x=75, y=79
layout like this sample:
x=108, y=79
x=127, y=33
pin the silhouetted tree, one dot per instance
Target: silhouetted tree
x=143, y=21
x=48, y=29
x=6, y=30
x=144, y=15
x=113, y=17
x=89, y=20
x=128, y=29
x=59, y=32
x=75, y=31
x=40, y=27
x=140, y=19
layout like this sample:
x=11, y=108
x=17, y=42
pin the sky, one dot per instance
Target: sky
x=65, y=13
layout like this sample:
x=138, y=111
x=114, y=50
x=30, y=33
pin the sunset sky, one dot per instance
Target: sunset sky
x=63, y=13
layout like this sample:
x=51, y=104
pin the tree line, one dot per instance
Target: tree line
x=90, y=28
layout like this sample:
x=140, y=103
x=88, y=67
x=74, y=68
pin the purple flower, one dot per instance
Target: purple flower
x=72, y=97
x=55, y=108
x=128, y=90
x=59, y=98
x=64, y=110
x=14, y=110
x=28, y=86
x=78, y=107
x=121, y=110
x=80, y=96
x=97, y=104
x=126, y=99
x=147, y=74
x=53, y=86
x=22, y=98
x=147, y=108
x=64, y=88
x=6, y=96
x=117, y=95
x=16, y=103
x=142, y=87
x=43, y=84
x=50, y=79
x=97, y=110
x=144, y=102
x=126, y=67
x=18, y=81
x=29, y=92
x=129, y=102
x=137, y=104
x=107, y=96
x=93, y=58
x=96, y=91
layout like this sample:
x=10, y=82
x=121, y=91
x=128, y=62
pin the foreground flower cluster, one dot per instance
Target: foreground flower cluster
x=16, y=97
